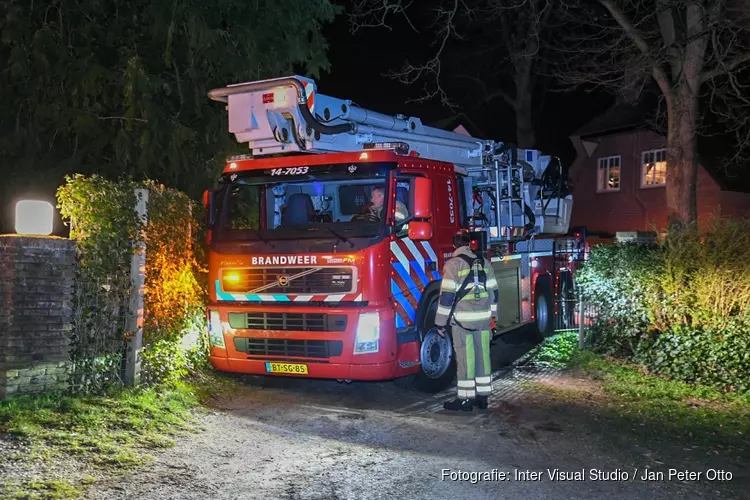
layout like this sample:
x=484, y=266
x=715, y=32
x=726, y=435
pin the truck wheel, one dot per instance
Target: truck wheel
x=543, y=309
x=438, y=360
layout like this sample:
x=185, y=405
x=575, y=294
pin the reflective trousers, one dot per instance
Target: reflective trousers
x=473, y=361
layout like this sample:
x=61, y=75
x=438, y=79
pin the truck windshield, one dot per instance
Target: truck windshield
x=340, y=201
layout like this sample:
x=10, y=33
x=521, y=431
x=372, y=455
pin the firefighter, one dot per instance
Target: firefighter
x=377, y=200
x=468, y=301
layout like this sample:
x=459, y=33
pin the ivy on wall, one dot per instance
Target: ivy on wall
x=102, y=218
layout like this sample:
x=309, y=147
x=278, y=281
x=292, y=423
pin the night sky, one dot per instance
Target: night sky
x=359, y=61
x=358, y=66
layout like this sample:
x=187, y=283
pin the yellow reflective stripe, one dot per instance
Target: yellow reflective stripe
x=466, y=384
x=463, y=272
x=471, y=315
x=483, y=380
x=444, y=311
x=493, y=308
x=448, y=285
x=465, y=394
x=491, y=283
x=484, y=390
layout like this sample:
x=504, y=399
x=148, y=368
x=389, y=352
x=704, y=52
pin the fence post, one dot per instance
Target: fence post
x=137, y=281
x=581, y=317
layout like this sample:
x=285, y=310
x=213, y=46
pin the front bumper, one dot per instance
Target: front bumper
x=377, y=371
x=327, y=354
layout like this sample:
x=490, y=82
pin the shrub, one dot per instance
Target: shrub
x=106, y=228
x=682, y=308
x=623, y=281
x=172, y=295
x=713, y=357
x=707, y=274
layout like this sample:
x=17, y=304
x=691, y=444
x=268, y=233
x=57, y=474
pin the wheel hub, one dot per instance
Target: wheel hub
x=436, y=354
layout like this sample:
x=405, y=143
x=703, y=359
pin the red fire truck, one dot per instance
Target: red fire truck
x=327, y=241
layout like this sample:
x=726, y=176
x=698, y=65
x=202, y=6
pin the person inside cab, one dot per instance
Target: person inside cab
x=377, y=202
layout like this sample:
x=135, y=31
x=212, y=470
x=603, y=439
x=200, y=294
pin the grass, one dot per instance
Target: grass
x=629, y=398
x=50, y=488
x=113, y=431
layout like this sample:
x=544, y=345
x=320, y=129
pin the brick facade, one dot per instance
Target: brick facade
x=634, y=207
x=36, y=310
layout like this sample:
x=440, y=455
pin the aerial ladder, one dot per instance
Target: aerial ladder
x=516, y=193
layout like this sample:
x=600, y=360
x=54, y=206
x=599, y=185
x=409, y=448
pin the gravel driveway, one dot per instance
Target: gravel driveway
x=302, y=439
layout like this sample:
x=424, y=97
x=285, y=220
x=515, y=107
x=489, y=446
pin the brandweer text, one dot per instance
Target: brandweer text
x=283, y=260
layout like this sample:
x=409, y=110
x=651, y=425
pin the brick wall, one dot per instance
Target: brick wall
x=633, y=207
x=36, y=307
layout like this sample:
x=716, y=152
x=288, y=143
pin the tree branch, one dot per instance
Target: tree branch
x=487, y=95
x=661, y=78
x=726, y=68
x=665, y=18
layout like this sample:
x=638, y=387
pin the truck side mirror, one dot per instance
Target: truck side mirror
x=420, y=231
x=421, y=202
x=208, y=205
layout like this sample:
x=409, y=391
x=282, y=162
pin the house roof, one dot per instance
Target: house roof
x=452, y=122
x=624, y=116
x=620, y=117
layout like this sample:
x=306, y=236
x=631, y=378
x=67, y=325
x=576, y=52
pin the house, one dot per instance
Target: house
x=619, y=176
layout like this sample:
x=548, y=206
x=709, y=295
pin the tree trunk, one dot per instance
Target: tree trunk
x=525, y=136
x=682, y=164
x=524, y=80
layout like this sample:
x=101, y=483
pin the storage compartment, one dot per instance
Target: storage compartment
x=507, y=274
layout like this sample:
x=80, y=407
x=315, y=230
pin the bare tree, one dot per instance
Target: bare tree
x=494, y=46
x=695, y=51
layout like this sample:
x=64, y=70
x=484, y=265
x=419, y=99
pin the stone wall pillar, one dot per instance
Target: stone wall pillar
x=36, y=312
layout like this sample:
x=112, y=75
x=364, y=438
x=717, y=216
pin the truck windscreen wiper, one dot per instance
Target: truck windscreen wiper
x=261, y=238
x=340, y=237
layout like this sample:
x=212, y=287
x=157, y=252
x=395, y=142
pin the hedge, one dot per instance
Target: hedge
x=102, y=219
x=680, y=307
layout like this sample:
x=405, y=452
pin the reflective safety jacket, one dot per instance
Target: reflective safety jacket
x=472, y=302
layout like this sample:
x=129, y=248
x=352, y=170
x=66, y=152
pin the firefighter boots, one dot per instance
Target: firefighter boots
x=481, y=402
x=459, y=404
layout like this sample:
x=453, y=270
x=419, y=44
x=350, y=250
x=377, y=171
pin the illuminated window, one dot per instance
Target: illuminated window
x=654, y=168
x=608, y=174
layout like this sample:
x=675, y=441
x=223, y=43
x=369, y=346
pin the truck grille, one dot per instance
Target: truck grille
x=282, y=348
x=301, y=322
x=292, y=280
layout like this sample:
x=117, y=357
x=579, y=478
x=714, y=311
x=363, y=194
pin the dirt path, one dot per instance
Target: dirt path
x=319, y=440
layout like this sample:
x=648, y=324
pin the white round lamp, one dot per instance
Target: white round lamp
x=34, y=217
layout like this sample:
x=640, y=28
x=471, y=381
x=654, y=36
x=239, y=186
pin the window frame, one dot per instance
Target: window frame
x=222, y=218
x=401, y=229
x=599, y=176
x=643, y=184
x=463, y=206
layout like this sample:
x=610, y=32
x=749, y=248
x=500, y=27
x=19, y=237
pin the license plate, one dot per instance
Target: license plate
x=295, y=368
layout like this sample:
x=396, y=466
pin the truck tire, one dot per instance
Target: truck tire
x=544, y=309
x=438, y=368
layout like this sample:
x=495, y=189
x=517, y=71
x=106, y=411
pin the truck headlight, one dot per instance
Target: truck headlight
x=215, y=330
x=367, y=339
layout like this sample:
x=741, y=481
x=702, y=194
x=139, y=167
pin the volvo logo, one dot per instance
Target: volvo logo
x=283, y=280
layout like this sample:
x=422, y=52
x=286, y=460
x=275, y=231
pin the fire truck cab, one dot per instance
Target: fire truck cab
x=326, y=243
